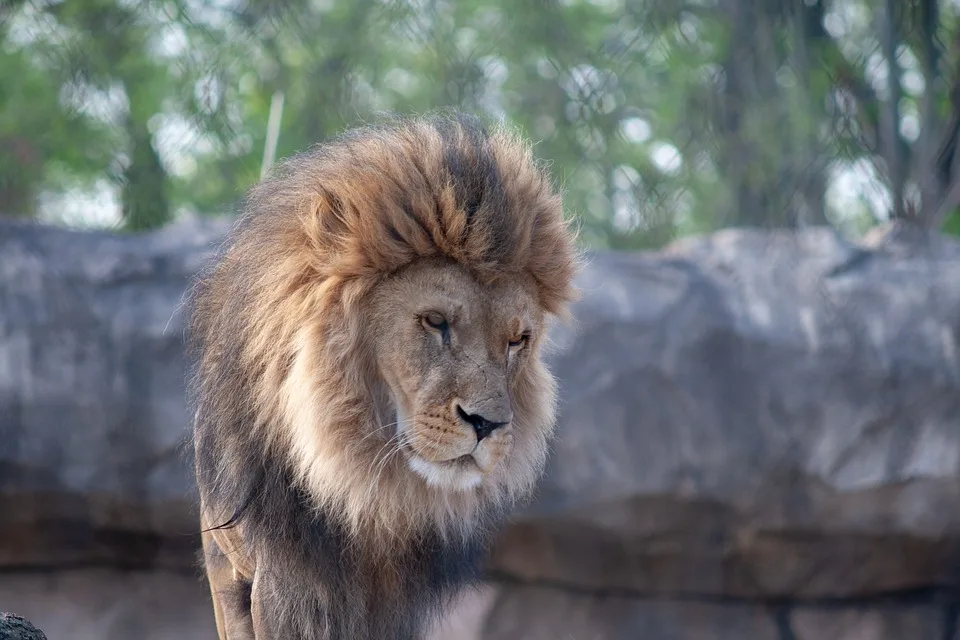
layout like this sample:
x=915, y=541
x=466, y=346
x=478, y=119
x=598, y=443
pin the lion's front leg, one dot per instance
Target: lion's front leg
x=285, y=607
x=230, y=592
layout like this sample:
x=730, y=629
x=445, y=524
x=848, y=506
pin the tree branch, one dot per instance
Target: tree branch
x=892, y=142
x=844, y=73
x=945, y=167
x=931, y=124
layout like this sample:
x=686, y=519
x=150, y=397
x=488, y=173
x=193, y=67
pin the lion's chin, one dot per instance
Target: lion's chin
x=461, y=474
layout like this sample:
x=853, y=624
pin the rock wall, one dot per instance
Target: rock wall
x=759, y=438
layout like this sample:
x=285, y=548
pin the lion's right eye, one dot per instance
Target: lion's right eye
x=434, y=321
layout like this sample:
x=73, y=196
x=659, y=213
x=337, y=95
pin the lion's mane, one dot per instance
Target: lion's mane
x=284, y=388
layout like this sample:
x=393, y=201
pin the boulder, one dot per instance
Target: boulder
x=753, y=424
x=14, y=627
x=93, y=468
x=93, y=603
x=756, y=414
x=526, y=612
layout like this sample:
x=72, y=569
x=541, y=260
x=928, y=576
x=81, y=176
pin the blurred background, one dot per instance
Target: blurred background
x=761, y=427
x=660, y=118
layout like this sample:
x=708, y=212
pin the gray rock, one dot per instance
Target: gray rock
x=14, y=627
x=883, y=623
x=748, y=414
x=540, y=613
x=756, y=415
x=546, y=613
x=92, y=411
x=110, y=604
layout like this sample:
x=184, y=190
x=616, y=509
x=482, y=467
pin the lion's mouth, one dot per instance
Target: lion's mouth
x=461, y=473
x=461, y=461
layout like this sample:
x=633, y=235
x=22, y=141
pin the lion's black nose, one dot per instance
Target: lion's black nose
x=481, y=425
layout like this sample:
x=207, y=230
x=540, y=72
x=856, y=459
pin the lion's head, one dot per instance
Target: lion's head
x=376, y=324
x=460, y=361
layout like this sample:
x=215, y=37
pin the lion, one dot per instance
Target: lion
x=370, y=392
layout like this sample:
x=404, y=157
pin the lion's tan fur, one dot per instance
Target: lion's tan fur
x=290, y=298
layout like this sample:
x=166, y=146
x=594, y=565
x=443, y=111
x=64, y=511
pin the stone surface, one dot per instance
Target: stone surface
x=14, y=627
x=92, y=410
x=748, y=416
x=863, y=623
x=756, y=414
x=107, y=604
x=537, y=613
x=546, y=613
x=101, y=604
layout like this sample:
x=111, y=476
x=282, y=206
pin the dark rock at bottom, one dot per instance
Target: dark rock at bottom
x=14, y=627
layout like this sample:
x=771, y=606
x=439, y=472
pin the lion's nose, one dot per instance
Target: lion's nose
x=481, y=425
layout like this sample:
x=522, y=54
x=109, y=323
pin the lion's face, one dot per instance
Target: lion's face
x=459, y=357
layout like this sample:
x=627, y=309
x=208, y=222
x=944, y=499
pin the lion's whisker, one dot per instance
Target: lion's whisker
x=374, y=432
x=393, y=446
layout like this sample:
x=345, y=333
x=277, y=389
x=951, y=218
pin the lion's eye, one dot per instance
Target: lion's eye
x=434, y=321
x=519, y=342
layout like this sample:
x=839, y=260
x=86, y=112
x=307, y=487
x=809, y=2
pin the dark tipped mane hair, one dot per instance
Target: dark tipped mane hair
x=313, y=240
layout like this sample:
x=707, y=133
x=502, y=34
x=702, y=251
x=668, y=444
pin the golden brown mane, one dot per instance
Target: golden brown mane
x=287, y=394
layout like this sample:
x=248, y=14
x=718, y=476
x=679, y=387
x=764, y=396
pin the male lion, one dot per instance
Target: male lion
x=369, y=389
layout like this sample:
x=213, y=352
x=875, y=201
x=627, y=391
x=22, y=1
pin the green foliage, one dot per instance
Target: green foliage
x=43, y=145
x=952, y=224
x=658, y=118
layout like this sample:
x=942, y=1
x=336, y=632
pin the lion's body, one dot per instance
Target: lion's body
x=338, y=591
x=369, y=392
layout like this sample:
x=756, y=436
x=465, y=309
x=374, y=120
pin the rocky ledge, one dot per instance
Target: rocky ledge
x=759, y=435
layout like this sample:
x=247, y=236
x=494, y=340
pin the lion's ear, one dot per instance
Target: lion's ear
x=324, y=220
x=325, y=225
x=366, y=233
x=554, y=259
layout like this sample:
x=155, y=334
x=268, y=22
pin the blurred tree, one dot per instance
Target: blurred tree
x=659, y=118
x=112, y=53
x=44, y=144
